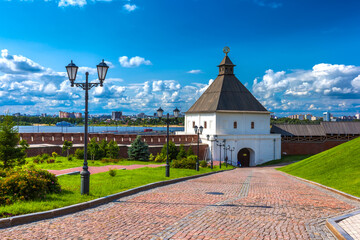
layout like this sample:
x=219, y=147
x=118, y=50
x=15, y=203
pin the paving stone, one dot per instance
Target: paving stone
x=256, y=203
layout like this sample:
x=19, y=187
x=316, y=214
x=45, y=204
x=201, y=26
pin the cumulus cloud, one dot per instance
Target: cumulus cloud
x=321, y=88
x=73, y=3
x=130, y=7
x=194, y=71
x=17, y=64
x=133, y=62
x=28, y=87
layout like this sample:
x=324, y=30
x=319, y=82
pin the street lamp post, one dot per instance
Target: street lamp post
x=160, y=114
x=72, y=71
x=211, y=140
x=231, y=150
x=198, y=131
x=220, y=144
x=225, y=153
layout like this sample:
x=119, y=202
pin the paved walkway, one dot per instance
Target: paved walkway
x=246, y=203
x=94, y=170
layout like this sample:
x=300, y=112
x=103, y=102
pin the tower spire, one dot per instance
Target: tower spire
x=226, y=67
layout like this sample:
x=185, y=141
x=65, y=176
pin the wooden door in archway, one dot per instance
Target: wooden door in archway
x=244, y=157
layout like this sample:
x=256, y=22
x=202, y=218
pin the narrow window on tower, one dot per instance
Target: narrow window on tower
x=205, y=124
x=193, y=124
x=252, y=125
x=235, y=124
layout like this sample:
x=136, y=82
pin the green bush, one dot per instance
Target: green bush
x=36, y=159
x=79, y=153
x=54, y=155
x=70, y=157
x=50, y=160
x=189, y=152
x=203, y=164
x=173, y=151
x=160, y=157
x=110, y=160
x=188, y=163
x=112, y=172
x=151, y=157
x=182, y=153
x=45, y=156
x=27, y=184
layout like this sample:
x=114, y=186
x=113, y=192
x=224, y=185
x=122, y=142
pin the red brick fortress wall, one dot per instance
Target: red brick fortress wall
x=78, y=138
x=298, y=148
x=52, y=142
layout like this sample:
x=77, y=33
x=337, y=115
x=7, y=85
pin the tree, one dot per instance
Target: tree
x=139, y=150
x=182, y=152
x=93, y=148
x=112, y=149
x=173, y=151
x=66, y=147
x=189, y=152
x=10, y=153
x=102, y=149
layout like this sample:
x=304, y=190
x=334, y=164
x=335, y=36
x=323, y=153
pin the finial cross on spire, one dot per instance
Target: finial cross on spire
x=226, y=50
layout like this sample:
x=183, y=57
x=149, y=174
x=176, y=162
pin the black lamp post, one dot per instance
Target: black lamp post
x=220, y=144
x=211, y=140
x=198, y=131
x=231, y=150
x=72, y=71
x=225, y=153
x=160, y=114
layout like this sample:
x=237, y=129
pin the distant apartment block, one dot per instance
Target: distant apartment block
x=140, y=115
x=69, y=115
x=326, y=116
x=116, y=115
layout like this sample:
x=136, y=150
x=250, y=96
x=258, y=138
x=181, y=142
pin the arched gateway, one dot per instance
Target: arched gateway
x=244, y=157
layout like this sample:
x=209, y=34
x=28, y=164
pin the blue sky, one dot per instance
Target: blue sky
x=294, y=56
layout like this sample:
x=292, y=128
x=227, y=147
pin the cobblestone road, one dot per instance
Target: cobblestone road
x=247, y=203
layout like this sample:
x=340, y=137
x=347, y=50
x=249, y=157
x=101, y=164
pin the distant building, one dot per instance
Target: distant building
x=326, y=116
x=314, y=118
x=307, y=117
x=43, y=115
x=357, y=116
x=140, y=115
x=69, y=115
x=116, y=115
x=16, y=114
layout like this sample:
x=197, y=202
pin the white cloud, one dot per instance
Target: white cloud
x=28, y=87
x=130, y=7
x=67, y=3
x=324, y=86
x=194, y=71
x=133, y=62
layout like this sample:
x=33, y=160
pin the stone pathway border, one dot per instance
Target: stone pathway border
x=33, y=217
x=333, y=223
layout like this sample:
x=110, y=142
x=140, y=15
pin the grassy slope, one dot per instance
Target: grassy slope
x=101, y=184
x=285, y=159
x=338, y=167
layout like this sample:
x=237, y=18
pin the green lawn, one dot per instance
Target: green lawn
x=338, y=167
x=63, y=163
x=101, y=184
x=285, y=159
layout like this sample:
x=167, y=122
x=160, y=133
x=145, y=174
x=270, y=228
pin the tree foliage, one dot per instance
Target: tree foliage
x=10, y=153
x=138, y=150
x=112, y=149
x=66, y=147
x=173, y=151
